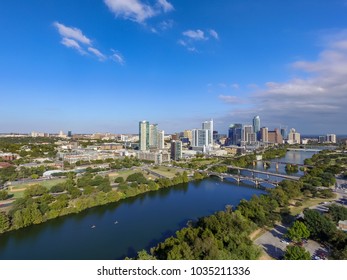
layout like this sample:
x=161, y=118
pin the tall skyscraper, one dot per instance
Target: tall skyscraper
x=176, y=150
x=208, y=125
x=275, y=136
x=247, y=130
x=235, y=134
x=144, y=135
x=256, y=127
x=200, y=137
x=153, y=136
x=331, y=138
x=293, y=137
x=256, y=124
x=264, y=134
x=161, y=139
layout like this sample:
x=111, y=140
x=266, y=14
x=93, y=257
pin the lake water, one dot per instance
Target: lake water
x=123, y=228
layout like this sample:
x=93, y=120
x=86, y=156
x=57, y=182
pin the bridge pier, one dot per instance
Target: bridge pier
x=277, y=166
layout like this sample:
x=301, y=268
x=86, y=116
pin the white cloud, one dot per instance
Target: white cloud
x=117, y=57
x=96, y=52
x=182, y=43
x=70, y=43
x=193, y=37
x=317, y=99
x=71, y=37
x=230, y=99
x=165, y=5
x=166, y=24
x=214, y=34
x=195, y=34
x=136, y=10
x=72, y=33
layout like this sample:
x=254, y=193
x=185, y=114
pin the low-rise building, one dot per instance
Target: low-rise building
x=158, y=157
x=342, y=225
x=8, y=156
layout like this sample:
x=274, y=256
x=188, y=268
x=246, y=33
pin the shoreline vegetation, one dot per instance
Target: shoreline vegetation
x=223, y=235
x=227, y=234
x=40, y=204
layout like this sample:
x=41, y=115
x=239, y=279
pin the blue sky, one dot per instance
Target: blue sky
x=104, y=65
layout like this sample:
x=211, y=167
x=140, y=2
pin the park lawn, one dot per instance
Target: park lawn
x=295, y=210
x=48, y=184
x=124, y=173
x=169, y=172
x=18, y=190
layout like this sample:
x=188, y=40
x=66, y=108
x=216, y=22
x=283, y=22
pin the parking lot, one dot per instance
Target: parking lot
x=274, y=243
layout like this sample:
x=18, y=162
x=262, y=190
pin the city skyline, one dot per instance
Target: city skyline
x=104, y=65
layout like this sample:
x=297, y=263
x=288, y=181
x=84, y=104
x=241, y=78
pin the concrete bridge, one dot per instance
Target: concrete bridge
x=277, y=163
x=245, y=179
x=254, y=171
x=303, y=150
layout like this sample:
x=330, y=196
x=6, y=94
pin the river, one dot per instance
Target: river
x=121, y=229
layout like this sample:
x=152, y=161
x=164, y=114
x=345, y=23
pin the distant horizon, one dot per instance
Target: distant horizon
x=166, y=133
x=104, y=65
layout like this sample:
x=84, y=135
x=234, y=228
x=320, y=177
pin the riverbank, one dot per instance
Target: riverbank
x=143, y=221
x=265, y=210
x=76, y=195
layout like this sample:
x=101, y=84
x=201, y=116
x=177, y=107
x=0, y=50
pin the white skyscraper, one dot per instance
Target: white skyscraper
x=208, y=125
x=161, y=144
x=144, y=135
x=293, y=137
x=331, y=138
x=200, y=137
x=153, y=136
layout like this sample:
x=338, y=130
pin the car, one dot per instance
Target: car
x=284, y=241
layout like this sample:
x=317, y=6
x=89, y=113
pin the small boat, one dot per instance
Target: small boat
x=116, y=222
x=93, y=226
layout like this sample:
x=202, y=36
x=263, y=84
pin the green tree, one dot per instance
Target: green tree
x=294, y=252
x=36, y=190
x=319, y=226
x=143, y=255
x=3, y=195
x=4, y=222
x=119, y=180
x=298, y=231
x=337, y=212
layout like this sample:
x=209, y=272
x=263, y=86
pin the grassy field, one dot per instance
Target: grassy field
x=18, y=190
x=169, y=172
x=295, y=210
x=123, y=173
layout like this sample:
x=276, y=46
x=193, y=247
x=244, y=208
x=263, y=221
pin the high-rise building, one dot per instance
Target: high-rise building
x=247, y=129
x=200, y=137
x=256, y=124
x=293, y=137
x=322, y=139
x=208, y=125
x=176, y=150
x=69, y=133
x=235, y=134
x=331, y=138
x=264, y=134
x=161, y=137
x=153, y=136
x=144, y=135
x=275, y=136
x=284, y=133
